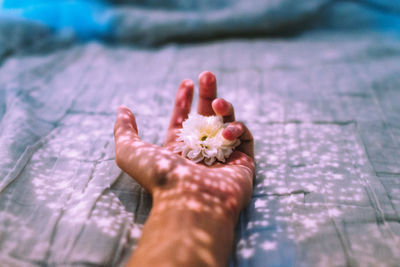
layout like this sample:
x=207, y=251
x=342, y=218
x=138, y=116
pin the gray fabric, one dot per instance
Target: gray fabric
x=150, y=22
x=323, y=107
x=234, y=19
x=327, y=135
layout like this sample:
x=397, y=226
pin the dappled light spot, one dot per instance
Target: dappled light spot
x=184, y=171
x=267, y=245
x=306, y=179
x=322, y=125
x=247, y=252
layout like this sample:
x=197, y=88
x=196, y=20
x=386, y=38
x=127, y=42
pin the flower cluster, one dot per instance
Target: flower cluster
x=201, y=139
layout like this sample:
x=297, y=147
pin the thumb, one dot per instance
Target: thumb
x=125, y=134
x=125, y=126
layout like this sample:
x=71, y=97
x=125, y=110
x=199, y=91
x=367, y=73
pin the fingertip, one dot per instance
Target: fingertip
x=228, y=135
x=183, y=103
x=125, y=118
x=232, y=132
x=207, y=78
x=121, y=108
x=186, y=88
x=220, y=106
x=187, y=83
x=184, y=96
x=124, y=110
x=207, y=93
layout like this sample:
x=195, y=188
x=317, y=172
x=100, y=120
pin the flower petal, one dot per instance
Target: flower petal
x=194, y=146
x=209, y=161
x=220, y=155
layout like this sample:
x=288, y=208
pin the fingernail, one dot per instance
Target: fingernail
x=234, y=130
x=231, y=132
x=222, y=104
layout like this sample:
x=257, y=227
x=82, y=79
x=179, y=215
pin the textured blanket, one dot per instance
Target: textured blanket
x=323, y=108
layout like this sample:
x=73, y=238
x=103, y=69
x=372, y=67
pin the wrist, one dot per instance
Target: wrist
x=193, y=199
x=185, y=229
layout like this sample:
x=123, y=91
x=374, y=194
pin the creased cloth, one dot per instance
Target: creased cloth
x=323, y=107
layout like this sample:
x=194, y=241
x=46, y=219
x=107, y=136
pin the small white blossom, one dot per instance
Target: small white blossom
x=201, y=139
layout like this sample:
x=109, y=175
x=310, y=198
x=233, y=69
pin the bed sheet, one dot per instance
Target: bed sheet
x=323, y=108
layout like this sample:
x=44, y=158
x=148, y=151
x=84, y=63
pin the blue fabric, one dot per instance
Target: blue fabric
x=154, y=22
x=85, y=18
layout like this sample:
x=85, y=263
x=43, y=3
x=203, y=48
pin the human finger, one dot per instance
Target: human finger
x=239, y=130
x=223, y=108
x=183, y=103
x=125, y=125
x=146, y=163
x=207, y=93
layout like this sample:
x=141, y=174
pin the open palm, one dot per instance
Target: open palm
x=165, y=174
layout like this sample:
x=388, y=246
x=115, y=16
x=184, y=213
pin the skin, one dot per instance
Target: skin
x=195, y=206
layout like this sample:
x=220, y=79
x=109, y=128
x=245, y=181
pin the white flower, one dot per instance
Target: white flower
x=201, y=139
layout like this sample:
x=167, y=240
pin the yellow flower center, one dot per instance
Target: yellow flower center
x=208, y=132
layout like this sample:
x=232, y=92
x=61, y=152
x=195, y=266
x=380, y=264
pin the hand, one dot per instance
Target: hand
x=195, y=206
x=225, y=187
